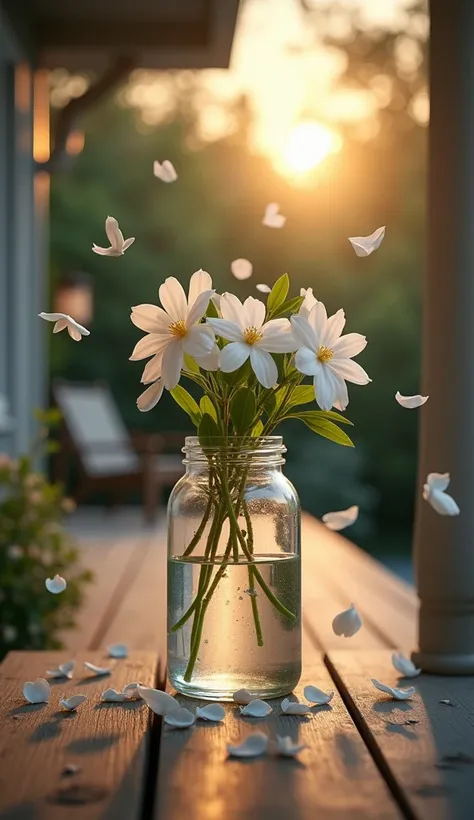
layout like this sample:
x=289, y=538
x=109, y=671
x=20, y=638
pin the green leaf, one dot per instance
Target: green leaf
x=190, y=364
x=278, y=293
x=323, y=427
x=291, y=306
x=242, y=410
x=257, y=430
x=206, y=406
x=303, y=394
x=207, y=430
x=187, y=403
x=270, y=403
x=211, y=311
x=331, y=415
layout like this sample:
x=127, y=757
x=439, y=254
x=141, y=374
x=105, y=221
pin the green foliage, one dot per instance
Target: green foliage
x=35, y=546
x=207, y=430
x=206, y=406
x=289, y=307
x=278, y=294
x=316, y=422
x=187, y=403
x=242, y=411
x=303, y=394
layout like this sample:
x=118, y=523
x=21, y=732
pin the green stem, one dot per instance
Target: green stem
x=202, y=526
x=255, y=612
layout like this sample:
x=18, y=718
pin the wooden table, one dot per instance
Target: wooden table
x=368, y=757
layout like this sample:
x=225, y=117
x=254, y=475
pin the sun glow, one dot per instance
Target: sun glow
x=309, y=144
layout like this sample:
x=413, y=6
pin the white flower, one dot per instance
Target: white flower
x=97, y=670
x=118, y=650
x=64, y=670
x=342, y=519
x=365, y=245
x=286, y=748
x=347, y=623
x=263, y=288
x=37, y=691
x=411, y=402
x=165, y=171
x=294, y=707
x=309, y=302
x=55, y=585
x=245, y=327
x=213, y=712
x=171, y=333
x=434, y=493
x=397, y=694
x=242, y=696
x=256, y=708
x=253, y=746
x=118, y=245
x=317, y=696
x=71, y=704
x=327, y=356
x=273, y=219
x=75, y=330
x=241, y=268
x=404, y=665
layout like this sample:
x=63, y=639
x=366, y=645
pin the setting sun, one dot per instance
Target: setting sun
x=309, y=144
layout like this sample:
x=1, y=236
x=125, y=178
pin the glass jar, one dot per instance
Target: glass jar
x=234, y=574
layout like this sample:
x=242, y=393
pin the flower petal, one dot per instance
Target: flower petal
x=114, y=234
x=118, y=650
x=104, y=251
x=37, y=691
x=396, y=694
x=318, y=319
x=173, y=299
x=227, y=329
x=342, y=519
x=74, y=332
x=241, y=268
x=211, y=360
x=263, y=366
x=365, y=245
x=200, y=281
x=342, y=396
x=256, y=708
x=326, y=386
x=165, y=171
x=254, y=312
x=97, y=670
x=349, y=370
x=53, y=317
x=438, y=481
x=172, y=363
x=56, y=584
x=404, y=665
x=333, y=329
x=70, y=704
x=242, y=696
x=128, y=242
x=294, y=707
x=148, y=346
x=263, y=288
x=198, y=309
x=277, y=337
x=411, y=402
x=309, y=302
x=349, y=345
x=112, y=696
x=304, y=333
x=64, y=670
x=253, y=746
x=233, y=356
x=151, y=319
x=198, y=341
x=159, y=702
x=273, y=219
x=286, y=748
x=307, y=362
x=180, y=720
x=347, y=623
x=150, y=397
x=442, y=503
x=60, y=325
x=131, y=690
x=232, y=309
x=317, y=696
x=214, y=712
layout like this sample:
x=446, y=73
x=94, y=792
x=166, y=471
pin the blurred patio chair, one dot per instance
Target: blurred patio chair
x=108, y=457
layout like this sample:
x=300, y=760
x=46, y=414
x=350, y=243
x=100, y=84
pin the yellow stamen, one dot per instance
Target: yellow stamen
x=178, y=329
x=324, y=354
x=252, y=335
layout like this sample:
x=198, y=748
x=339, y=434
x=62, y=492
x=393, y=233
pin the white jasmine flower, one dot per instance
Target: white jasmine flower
x=245, y=327
x=63, y=321
x=365, y=245
x=411, y=402
x=396, y=694
x=434, y=493
x=327, y=356
x=241, y=268
x=347, y=623
x=253, y=746
x=165, y=171
x=37, y=691
x=118, y=245
x=273, y=219
x=340, y=520
x=405, y=666
x=171, y=333
x=55, y=585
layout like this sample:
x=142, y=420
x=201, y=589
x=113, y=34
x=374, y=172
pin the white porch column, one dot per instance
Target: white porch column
x=444, y=547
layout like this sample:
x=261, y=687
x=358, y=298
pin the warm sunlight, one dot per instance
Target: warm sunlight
x=309, y=144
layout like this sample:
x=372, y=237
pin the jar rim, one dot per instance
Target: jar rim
x=244, y=448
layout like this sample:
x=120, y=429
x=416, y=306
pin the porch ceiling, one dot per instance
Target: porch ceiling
x=158, y=33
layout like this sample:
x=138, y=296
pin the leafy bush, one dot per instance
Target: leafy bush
x=34, y=546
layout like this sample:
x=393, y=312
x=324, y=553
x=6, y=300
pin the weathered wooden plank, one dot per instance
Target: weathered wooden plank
x=334, y=778
x=432, y=761
x=388, y=605
x=108, y=741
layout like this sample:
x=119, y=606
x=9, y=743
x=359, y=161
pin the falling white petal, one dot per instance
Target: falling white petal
x=317, y=696
x=396, y=694
x=342, y=519
x=241, y=268
x=294, y=707
x=118, y=650
x=55, y=585
x=272, y=218
x=37, y=691
x=113, y=696
x=347, y=623
x=165, y=171
x=159, y=702
x=180, y=719
x=63, y=321
x=73, y=702
x=64, y=670
x=263, y=288
x=256, y=708
x=365, y=245
x=214, y=712
x=118, y=245
x=411, y=402
x=433, y=492
x=286, y=748
x=242, y=696
x=97, y=670
x=254, y=745
x=404, y=665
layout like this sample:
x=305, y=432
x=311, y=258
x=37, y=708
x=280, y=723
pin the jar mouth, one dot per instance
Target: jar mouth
x=246, y=449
